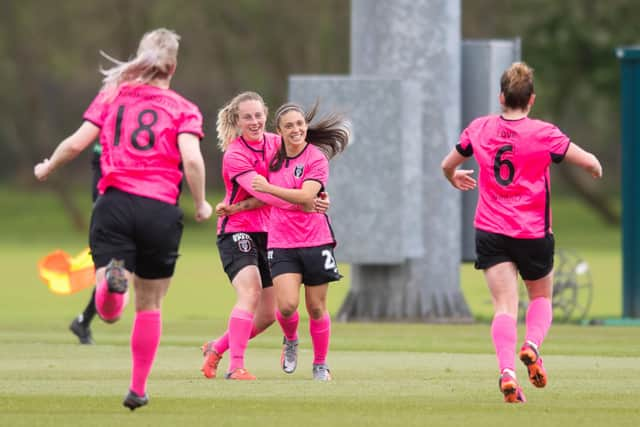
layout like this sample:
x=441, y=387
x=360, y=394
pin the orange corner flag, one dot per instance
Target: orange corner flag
x=64, y=274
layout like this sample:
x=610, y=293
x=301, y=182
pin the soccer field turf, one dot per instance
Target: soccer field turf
x=384, y=375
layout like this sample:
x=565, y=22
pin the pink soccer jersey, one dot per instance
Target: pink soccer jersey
x=293, y=228
x=139, y=131
x=241, y=158
x=514, y=185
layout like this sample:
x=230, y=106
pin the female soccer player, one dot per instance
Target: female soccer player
x=301, y=243
x=148, y=134
x=242, y=237
x=513, y=217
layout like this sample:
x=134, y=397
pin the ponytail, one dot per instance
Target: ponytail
x=225, y=127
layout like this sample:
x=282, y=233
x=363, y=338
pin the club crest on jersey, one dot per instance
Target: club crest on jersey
x=298, y=171
x=244, y=242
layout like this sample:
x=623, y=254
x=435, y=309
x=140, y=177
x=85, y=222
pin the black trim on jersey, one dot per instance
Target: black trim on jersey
x=547, y=207
x=466, y=152
x=234, y=193
x=512, y=120
x=333, y=236
x=92, y=122
x=181, y=183
x=557, y=158
x=318, y=181
x=286, y=162
x=264, y=144
x=233, y=178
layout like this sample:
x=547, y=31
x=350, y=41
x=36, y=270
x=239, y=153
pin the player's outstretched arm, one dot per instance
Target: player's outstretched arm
x=584, y=159
x=67, y=150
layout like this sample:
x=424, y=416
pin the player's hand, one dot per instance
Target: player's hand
x=260, y=183
x=42, y=170
x=223, y=209
x=463, y=180
x=203, y=211
x=596, y=170
x=321, y=203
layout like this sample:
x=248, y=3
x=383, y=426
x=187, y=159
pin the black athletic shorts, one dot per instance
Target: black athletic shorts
x=532, y=257
x=316, y=264
x=238, y=250
x=144, y=232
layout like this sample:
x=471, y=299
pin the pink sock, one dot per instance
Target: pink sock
x=320, y=331
x=109, y=305
x=289, y=325
x=145, y=338
x=504, y=331
x=221, y=344
x=539, y=317
x=240, y=324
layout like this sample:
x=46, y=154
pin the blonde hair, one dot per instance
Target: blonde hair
x=516, y=84
x=157, y=57
x=227, y=122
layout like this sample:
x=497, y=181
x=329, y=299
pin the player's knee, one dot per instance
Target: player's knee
x=316, y=312
x=288, y=310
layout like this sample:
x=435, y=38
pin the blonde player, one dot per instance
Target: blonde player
x=148, y=134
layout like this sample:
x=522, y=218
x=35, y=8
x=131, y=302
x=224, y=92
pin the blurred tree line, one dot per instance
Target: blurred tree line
x=49, y=65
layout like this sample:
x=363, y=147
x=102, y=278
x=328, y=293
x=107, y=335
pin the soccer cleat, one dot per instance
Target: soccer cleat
x=134, y=401
x=81, y=331
x=211, y=360
x=289, y=356
x=530, y=356
x=321, y=372
x=116, y=277
x=239, y=374
x=510, y=389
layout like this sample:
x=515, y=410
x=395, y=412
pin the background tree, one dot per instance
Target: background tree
x=49, y=66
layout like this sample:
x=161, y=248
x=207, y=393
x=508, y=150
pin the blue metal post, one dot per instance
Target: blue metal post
x=630, y=67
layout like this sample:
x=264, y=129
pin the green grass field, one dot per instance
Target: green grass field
x=385, y=374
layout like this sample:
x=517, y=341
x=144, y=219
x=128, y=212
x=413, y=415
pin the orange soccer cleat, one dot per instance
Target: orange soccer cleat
x=211, y=360
x=510, y=389
x=530, y=356
x=239, y=374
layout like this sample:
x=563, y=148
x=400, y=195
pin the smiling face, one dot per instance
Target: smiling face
x=251, y=119
x=292, y=126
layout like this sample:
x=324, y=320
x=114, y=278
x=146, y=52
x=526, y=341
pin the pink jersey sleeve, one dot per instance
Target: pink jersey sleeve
x=557, y=142
x=191, y=122
x=464, y=146
x=97, y=110
x=318, y=169
x=237, y=163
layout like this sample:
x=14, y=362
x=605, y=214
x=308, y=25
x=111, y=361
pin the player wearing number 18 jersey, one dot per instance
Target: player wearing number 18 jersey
x=149, y=135
x=513, y=217
x=136, y=157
